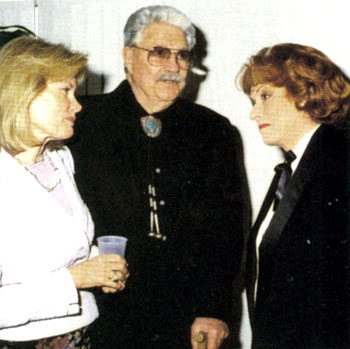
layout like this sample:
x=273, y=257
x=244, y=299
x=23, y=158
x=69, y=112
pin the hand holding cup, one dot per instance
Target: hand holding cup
x=107, y=270
x=113, y=244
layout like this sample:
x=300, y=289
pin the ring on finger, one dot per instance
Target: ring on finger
x=115, y=278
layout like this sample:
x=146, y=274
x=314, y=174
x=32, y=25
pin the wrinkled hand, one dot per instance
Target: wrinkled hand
x=215, y=329
x=106, y=271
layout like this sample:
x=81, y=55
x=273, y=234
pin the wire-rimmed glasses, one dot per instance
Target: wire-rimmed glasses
x=158, y=56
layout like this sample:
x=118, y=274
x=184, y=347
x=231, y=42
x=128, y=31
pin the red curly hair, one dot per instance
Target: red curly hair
x=311, y=79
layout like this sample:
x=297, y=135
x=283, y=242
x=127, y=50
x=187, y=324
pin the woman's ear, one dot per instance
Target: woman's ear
x=128, y=58
x=302, y=102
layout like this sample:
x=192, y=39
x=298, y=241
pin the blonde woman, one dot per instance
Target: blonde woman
x=46, y=232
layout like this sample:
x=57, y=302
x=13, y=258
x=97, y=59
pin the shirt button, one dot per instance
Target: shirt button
x=290, y=278
x=161, y=202
x=157, y=170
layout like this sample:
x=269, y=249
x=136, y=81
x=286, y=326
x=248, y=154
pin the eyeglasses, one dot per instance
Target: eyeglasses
x=158, y=56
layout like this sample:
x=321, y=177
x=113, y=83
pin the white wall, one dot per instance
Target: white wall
x=233, y=29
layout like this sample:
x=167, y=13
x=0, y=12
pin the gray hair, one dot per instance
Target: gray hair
x=155, y=14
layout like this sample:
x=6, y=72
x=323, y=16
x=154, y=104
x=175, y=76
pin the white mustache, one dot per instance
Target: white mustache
x=170, y=77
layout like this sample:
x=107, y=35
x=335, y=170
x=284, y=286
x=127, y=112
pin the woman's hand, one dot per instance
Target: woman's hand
x=107, y=271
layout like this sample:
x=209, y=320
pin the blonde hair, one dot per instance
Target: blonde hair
x=311, y=79
x=26, y=65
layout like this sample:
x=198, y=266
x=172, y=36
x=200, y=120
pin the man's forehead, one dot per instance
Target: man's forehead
x=165, y=35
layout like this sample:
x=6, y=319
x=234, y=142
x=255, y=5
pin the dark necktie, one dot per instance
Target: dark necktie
x=278, y=184
x=284, y=172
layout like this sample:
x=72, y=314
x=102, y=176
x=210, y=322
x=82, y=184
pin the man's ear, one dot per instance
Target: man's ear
x=128, y=58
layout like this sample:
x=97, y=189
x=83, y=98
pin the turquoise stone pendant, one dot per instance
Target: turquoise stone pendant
x=151, y=126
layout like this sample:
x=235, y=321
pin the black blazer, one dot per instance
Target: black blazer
x=302, y=298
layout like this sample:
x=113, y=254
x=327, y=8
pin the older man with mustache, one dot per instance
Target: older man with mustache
x=168, y=174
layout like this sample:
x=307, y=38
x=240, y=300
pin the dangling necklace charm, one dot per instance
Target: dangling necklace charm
x=151, y=126
x=154, y=215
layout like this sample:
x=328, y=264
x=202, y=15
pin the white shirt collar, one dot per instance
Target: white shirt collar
x=301, y=146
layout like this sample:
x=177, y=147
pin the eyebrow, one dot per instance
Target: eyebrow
x=71, y=85
x=170, y=48
x=257, y=90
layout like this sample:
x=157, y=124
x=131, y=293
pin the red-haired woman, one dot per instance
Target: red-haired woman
x=298, y=252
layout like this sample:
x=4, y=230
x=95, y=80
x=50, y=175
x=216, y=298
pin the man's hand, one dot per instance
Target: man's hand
x=215, y=329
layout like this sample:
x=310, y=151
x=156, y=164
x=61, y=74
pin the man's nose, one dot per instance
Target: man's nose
x=171, y=63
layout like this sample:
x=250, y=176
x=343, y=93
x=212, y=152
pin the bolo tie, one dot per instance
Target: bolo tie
x=152, y=127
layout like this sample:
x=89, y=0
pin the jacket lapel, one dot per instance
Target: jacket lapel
x=31, y=218
x=286, y=207
x=80, y=212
